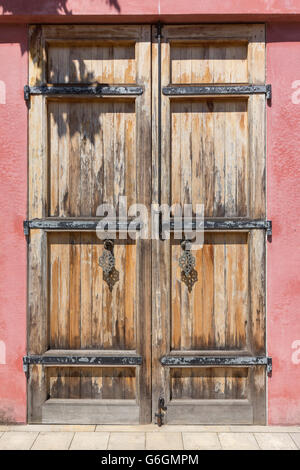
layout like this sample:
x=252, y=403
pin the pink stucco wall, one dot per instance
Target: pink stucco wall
x=283, y=162
x=13, y=200
x=283, y=178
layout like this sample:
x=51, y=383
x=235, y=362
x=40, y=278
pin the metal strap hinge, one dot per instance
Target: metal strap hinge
x=208, y=361
x=87, y=90
x=202, y=90
x=80, y=225
x=122, y=360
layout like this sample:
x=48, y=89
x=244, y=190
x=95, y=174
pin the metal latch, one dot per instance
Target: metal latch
x=162, y=409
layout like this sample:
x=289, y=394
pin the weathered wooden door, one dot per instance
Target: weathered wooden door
x=107, y=354
x=89, y=347
x=208, y=341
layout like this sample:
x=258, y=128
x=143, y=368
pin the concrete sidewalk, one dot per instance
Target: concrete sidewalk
x=149, y=437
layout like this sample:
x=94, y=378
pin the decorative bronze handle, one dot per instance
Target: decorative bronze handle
x=187, y=264
x=107, y=263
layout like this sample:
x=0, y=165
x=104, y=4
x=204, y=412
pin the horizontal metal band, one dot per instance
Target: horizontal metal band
x=83, y=360
x=226, y=224
x=89, y=225
x=179, y=361
x=99, y=90
x=191, y=90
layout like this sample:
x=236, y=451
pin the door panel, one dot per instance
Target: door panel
x=214, y=316
x=87, y=61
x=209, y=153
x=92, y=155
x=83, y=313
x=213, y=153
x=209, y=62
x=91, y=341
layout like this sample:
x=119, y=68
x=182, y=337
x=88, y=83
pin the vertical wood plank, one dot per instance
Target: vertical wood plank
x=257, y=157
x=86, y=291
x=53, y=143
x=75, y=119
x=208, y=293
x=97, y=163
x=64, y=159
x=64, y=292
x=219, y=117
x=257, y=291
x=220, y=309
x=86, y=153
x=143, y=147
x=75, y=291
x=129, y=296
x=97, y=288
x=37, y=293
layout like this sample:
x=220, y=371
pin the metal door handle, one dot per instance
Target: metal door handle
x=107, y=263
x=187, y=264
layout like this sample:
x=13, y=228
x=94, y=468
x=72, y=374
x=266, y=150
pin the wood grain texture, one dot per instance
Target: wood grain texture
x=144, y=246
x=74, y=411
x=213, y=153
x=83, y=313
x=209, y=383
x=112, y=63
x=209, y=155
x=209, y=62
x=84, y=152
x=92, y=155
x=215, y=314
x=93, y=383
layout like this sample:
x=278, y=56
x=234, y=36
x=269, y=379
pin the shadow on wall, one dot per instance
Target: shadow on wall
x=58, y=7
x=54, y=7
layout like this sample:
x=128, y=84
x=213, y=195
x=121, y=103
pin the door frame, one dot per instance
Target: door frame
x=155, y=301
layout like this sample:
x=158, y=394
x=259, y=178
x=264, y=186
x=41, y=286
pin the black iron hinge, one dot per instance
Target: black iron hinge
x=217, y=361
x=159, y=28
x=87, y=90
x=204, y=90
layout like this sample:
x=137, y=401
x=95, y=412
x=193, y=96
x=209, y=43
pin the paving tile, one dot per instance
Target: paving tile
x=164, y=441
x=126, y=441
x=201, y=441
x=53, y=427
x=53, y=441
x=90, y=441
x=126, y=428
x=17, y=440
x=192, y=428
x=251, y=428
x=3, y=427
x=296, y=438
x=275, y=441
x=237, y=441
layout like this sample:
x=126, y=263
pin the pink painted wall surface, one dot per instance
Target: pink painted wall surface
x=13, y=201
x=146, y=10
x=283, y=144
x=283, y=178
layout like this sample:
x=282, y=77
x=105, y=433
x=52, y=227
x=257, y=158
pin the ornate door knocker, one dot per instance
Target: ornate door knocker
x=187, y=264
x=107, y=263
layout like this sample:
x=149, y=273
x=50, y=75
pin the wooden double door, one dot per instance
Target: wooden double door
x=101, y=353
